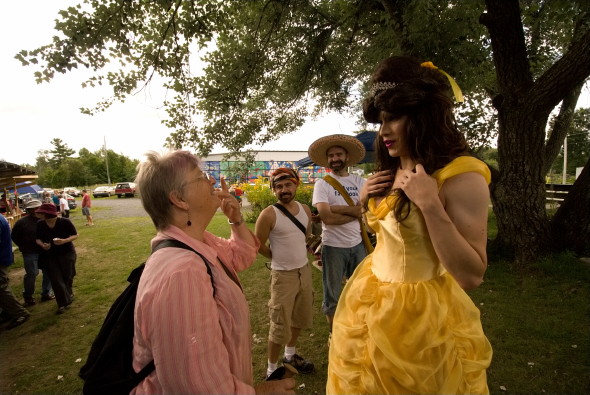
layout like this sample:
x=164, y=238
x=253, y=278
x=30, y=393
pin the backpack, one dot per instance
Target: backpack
x=109, y=369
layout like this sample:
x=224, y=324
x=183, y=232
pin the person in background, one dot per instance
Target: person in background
x=47, y=198
x=86, y=205
x=55, y=199
x=193, y=324
x=291, y=290
x=64, y=207
x=342, y=244
x=8, y=303
x=404, y=323
x=239, y=193
x=24, y=235
x=55, y=236
x=6, y=205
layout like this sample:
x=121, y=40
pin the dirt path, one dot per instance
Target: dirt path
x=117, y=208
x=123, y=207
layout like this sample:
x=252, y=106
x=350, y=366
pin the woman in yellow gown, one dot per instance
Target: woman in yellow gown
x=404, y=323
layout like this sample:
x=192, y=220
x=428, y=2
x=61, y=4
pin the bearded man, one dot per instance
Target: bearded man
x=286, y=225
x=343, y=247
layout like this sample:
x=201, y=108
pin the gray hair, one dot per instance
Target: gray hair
x=159, y=175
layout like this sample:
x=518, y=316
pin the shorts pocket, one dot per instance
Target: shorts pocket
x=276, y=332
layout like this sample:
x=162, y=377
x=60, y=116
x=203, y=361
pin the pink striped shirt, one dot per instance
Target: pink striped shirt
x=200, y=344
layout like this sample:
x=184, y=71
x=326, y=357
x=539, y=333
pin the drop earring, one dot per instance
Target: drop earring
x=188, y=220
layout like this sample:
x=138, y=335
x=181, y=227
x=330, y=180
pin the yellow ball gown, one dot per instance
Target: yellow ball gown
x=403, y=324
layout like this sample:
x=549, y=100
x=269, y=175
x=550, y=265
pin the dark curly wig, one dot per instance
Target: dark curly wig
x=422, y=94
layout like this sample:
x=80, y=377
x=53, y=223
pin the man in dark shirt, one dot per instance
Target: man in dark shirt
x=8, y=302
x=24, y=236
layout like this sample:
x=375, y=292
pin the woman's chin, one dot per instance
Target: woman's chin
x=393, y=152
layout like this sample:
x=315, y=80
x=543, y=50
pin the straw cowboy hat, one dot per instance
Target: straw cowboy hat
x=33, y=203
x=352, y=145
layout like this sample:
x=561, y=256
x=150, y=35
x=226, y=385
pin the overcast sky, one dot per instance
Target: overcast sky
x=32, y=115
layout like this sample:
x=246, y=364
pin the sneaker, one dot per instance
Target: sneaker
x=282, y=372
x=300, y=364
x=18, y=321
x=61, y=310
x=47, y=297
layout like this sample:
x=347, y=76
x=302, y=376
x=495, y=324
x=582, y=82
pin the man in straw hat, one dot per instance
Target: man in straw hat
x=24, y=234
x=291, y=291
x=343, y=247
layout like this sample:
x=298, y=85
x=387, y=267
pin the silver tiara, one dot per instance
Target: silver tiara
x=381, y=86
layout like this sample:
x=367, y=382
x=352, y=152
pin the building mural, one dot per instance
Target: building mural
x=308, y=175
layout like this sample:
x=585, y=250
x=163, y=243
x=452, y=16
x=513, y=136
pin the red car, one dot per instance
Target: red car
x=125, y=189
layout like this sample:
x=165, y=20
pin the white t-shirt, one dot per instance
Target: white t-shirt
x=63, y=204
x=346, y=235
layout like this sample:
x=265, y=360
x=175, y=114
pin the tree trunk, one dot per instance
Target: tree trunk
x=523, y=106
x=518, y=195
x=570, y=228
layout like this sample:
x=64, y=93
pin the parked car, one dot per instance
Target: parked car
x=25, y=198
x=71, y=201
x=104, y=191
x=72, y=191
x=125, y=189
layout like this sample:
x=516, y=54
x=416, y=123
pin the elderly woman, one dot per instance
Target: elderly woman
x=58, y=256
x=192, y=323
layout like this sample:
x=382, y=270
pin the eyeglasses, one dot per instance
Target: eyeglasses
x=205, y=176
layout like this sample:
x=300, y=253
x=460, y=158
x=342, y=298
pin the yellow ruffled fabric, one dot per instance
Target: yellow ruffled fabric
x=403, y=325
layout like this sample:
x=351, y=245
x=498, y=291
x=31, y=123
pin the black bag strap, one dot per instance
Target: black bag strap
x=143, y=373
x=291, y=217
x=179, y=244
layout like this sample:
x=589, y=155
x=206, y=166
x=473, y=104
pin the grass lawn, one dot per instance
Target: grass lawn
x=538, y=322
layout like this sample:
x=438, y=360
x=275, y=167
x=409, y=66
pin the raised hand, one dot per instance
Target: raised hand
x=418, y=185
x=377, y=185
x=229, y=204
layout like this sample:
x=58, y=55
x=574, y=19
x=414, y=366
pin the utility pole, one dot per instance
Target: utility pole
x=564, y=161
x=106, y=158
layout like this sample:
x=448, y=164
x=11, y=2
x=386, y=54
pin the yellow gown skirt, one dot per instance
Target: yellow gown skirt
x=402, y=338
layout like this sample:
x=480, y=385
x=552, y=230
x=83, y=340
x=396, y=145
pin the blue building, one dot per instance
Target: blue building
x=265, y=162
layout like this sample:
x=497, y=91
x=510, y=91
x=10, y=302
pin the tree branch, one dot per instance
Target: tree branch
x=561, y=127
x=509, y=49
x=566, y=74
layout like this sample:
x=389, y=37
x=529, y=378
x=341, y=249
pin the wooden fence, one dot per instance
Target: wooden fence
x=556, y=193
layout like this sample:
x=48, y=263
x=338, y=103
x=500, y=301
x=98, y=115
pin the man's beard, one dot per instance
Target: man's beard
x=336, y=165
x=286, y=197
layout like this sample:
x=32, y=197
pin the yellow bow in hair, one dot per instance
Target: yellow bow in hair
x=456, y=90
